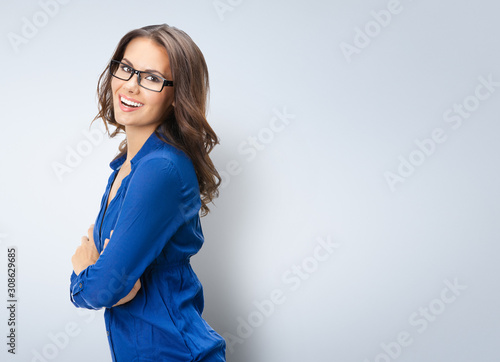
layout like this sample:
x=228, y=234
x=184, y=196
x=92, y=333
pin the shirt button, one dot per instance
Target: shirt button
x=80, y=285
x=107, y=333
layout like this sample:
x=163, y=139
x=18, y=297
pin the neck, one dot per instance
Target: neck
x=136, y=137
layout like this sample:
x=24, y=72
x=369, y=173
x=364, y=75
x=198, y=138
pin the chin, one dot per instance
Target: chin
x=123, y=121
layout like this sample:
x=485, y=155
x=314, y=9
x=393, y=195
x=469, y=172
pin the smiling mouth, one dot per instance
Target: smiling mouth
x=129, y=103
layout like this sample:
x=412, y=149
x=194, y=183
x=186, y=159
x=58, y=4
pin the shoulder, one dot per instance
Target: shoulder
x=168, y=161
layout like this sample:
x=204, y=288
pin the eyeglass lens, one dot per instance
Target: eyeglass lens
x=146, y=80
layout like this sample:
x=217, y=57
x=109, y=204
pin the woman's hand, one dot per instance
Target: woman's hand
x=131, y=295
x=86, y=254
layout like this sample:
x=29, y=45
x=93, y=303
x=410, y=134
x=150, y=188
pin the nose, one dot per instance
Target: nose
x=132, y=85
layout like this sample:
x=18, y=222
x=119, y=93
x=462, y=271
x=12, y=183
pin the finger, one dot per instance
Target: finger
x=137, y=285
x=106, y=241
x=84, y=239
x=104, y=246
x=90, y=232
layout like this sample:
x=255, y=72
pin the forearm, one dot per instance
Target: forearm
x=101, y=285
x=89, y=287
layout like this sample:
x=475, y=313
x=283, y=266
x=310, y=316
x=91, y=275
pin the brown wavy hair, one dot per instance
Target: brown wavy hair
x=184, y=126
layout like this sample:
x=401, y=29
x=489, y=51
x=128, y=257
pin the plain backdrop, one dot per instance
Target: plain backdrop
x=358, y=220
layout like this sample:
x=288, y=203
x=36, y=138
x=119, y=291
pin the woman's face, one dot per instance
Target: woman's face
x=150, y=107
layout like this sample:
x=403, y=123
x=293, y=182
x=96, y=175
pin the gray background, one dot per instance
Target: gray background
x=352, y=119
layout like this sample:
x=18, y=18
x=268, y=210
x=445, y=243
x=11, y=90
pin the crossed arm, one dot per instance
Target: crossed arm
x=86, y=254
x=160, y=198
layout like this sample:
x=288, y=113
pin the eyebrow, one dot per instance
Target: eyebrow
x=147, y=70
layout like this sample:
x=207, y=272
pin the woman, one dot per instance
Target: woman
x=135, y=261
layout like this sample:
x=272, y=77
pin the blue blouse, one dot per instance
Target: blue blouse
x=157, y=228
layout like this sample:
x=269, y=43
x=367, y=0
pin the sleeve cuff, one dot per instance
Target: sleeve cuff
x=76, y=287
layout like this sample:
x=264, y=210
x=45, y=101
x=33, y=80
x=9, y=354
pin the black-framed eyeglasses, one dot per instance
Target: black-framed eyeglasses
x=150, y=81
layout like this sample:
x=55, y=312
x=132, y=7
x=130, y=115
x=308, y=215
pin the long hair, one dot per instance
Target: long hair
x=185, y=127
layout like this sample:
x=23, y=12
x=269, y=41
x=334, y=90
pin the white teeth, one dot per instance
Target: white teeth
x=130, y=103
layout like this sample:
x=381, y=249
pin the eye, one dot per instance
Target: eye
x=126, y=68
x=152, y=78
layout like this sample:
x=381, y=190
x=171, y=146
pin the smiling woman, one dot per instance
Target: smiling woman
x=135, y=262
x=142, y=53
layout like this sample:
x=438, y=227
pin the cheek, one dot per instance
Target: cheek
x=114, y=85
x=160, y=102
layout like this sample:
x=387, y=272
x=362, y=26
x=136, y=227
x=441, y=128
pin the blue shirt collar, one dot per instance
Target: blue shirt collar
x=152, y=143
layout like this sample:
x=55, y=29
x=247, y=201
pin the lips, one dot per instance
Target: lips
x=129, y=104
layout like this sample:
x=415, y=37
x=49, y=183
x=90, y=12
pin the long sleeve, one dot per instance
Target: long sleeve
x=77, y=300
x=157, y=203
